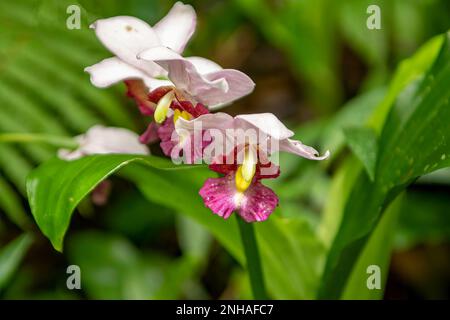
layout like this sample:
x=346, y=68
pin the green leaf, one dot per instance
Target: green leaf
x=10, y=257
x=358, y=110
x=57, y=187
x=377, y=253
x=414, y=141
x=363, y=143
x=112, y=268
x=62, y=142
x=291, y=254
x=11, y=204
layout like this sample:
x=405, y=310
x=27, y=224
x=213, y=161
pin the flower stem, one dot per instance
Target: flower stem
x=57, y=141
x=252, y=259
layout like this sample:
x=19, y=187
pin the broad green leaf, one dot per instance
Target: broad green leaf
x=408, y=70
x=292, y=256
x=193, y=238
x=291, y=253
x=414, y=141
x=112, y=268
x=376, y=253
x=56, y=187
x=355, y=112
x=11, y=204
x=364, y=145
x=339, y=192
x=178, y=190
x=10, y=257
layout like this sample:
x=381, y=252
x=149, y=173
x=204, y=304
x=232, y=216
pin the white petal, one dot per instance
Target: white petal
x=112, y=70
x=298, y=148
x=177, y=27
x=126, y=37
x=106, y=140
x=219, y=120
x=153, y=83
x=204, y=66
x=211, y=89
x=267, y=123
x=239, y=85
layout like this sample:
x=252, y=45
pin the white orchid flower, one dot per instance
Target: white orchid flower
x=153, y=56
x=105, y=140
x=266, y=123
x=126, y=37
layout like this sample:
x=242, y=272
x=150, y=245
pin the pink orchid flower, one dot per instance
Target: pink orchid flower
x=105, y=140
x=240, y=189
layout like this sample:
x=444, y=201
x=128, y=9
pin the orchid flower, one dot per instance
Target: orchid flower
x=127, y=36
x=105, y=140
x=134, y=42
x=240, y=189
x=190, y=86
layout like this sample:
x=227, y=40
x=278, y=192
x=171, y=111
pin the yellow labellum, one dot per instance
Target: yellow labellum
x=249, y=165
x=163, y=107
x=246, y=171
x=183, y=114
x=241, y=183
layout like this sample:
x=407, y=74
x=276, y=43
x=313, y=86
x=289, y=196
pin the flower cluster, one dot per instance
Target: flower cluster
x=179, y=95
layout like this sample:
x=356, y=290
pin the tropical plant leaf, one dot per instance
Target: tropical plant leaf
x=57, y=187
x=47, y=93
x=405, y=152
x=376, y=254
x=11, y=255
x=112, y=268
x=291, y=253
x=363, y=143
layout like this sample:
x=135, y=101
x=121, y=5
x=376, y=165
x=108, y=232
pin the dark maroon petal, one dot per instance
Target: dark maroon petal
x=257, y=203
x=267, y=171
x=200, y=109
x=137, y=90
x=223, y=168
x=156, y=94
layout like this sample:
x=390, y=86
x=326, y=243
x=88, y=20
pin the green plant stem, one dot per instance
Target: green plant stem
x=57, y=141
x=253, y=260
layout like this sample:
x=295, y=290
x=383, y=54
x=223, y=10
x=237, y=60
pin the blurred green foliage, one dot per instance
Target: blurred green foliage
x=345, y=87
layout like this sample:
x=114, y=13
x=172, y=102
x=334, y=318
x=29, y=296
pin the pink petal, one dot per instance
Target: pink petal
x=126, y=37
x=258, y=204
x=218, y=195
x=177, y=27
x=165, y=132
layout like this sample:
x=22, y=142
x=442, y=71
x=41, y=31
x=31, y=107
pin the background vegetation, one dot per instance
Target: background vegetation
x=377, y=99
